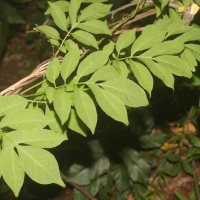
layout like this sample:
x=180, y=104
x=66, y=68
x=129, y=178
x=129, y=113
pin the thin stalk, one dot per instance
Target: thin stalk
x=32, y=87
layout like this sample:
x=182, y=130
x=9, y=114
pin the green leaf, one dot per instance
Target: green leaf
x=129, y=92
x=179, y=196
x=189, y=57
x=64, y=5
x=125, y=40
x=74, y=7
x=121, y=68
x=24, y=119
x=54, y=124
x=137, y=167
x=161, y=72
x=62, y=104
x=142, y=75
x=110, y=104
x=50, y=91
x=58, y=16
x=149, y=38
x=191, y=35
x=12, y=171
x=70, y=61
x=174, y=65
x=95, y=26
x=167, y=47
x=104, y=73
x=94, y=11
x=11, y=103
x=85, y=38
x=36, y=137
x=53, y=71
x=92, y=63
x=76, y=124
x=195, y=49
x=49, y=31
x=177, y=27
x=121, y=177
x=85, y=109
x=39, y=165
x=164, y=3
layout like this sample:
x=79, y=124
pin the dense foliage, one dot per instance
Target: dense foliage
x=91, y=71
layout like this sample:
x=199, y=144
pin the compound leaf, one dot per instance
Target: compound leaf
x=195, y=49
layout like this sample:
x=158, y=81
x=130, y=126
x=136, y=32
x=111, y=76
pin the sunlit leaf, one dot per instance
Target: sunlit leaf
x=58, y=16
x=62, y=104
x=110, y=104
x=25, y=119
x=49, y=31
x=95, y=26
x=85, y=38
x=53, y=70
x=73, y=11
x=85, y=109
x=128, y=91
x=94, y=11
x=125, y=40
x=142, y=75
x=39, y=165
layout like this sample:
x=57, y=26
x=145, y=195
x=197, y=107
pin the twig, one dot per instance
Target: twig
x=78, y=187
x=113, y=12
x=141, y=16
x=137, y=18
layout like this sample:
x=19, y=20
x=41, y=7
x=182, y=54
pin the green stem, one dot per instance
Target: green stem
x=68, y=33
x=32, y=87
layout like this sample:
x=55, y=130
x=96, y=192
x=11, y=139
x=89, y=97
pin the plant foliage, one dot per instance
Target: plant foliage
x=88, y=73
